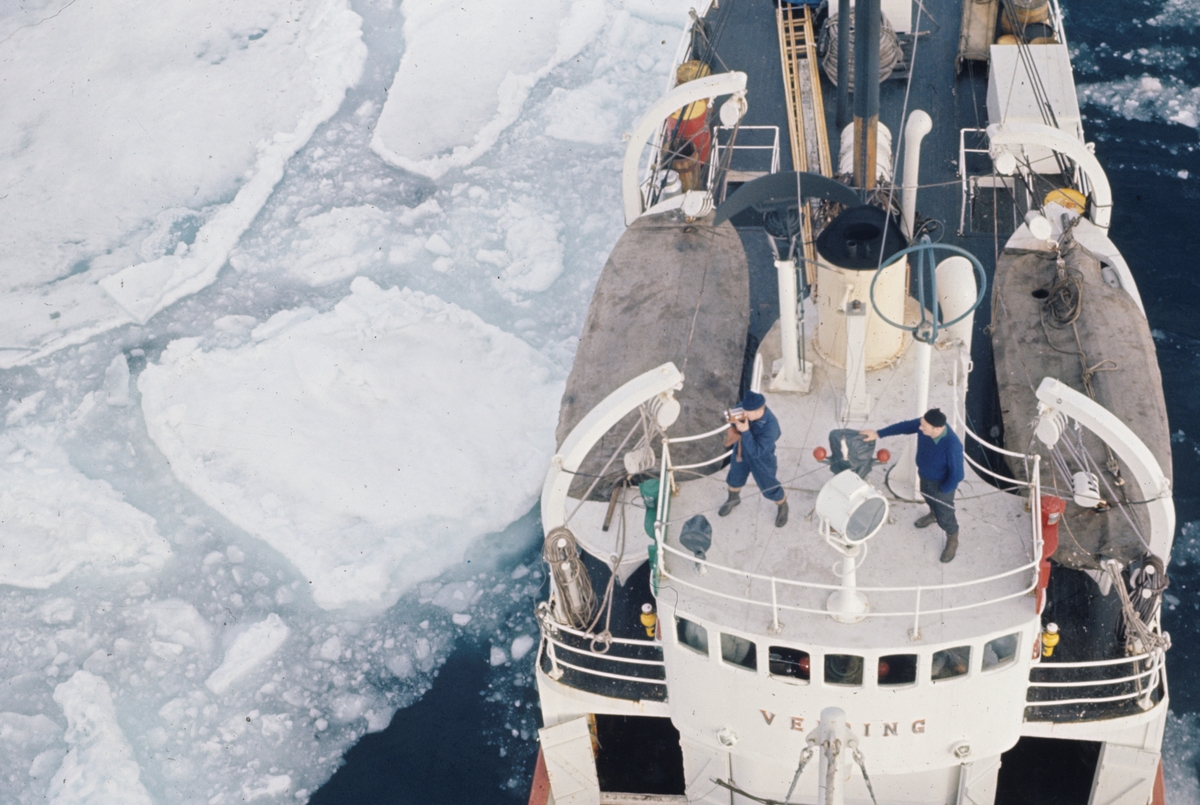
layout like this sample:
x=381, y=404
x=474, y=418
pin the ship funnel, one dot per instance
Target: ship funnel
x=850, y=331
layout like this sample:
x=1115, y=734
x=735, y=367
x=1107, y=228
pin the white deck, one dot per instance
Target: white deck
x=995, y=533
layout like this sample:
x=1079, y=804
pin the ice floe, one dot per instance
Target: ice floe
x=402, y=424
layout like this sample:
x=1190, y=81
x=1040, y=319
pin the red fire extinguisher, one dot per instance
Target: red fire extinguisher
x=1052, y=511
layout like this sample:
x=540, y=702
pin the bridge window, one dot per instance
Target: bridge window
x=789, y=662
x=951, y=662
x=898, y=669
x=1000, y=652
x=738, y=651
x=692, y=635
x=843, y=669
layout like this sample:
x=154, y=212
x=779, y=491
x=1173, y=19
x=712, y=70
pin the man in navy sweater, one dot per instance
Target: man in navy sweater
x=756, y=432
x=940, y=467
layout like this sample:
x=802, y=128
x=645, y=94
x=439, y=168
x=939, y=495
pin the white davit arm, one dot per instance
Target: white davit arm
x=1009, y=137
x=1152, y=484
x=591, y=429
x=711, y=86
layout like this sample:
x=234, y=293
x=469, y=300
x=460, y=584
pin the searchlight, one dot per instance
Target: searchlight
x=851, y=512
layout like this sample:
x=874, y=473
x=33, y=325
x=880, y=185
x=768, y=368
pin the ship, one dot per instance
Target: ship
x=926, y=244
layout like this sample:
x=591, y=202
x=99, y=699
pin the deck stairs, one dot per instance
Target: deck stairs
x=805, y=107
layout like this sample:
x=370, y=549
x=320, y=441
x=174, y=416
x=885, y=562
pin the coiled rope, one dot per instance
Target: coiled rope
x=889, y=50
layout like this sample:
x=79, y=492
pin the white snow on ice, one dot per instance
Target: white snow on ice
x=1177, y=13
x=488, y=71
x=1146, y=98
x=100, y=766
x=367, y=423
x=250, y=649
x=56, y=520
x=147, y=152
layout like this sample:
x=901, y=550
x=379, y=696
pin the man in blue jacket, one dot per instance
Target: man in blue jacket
x=756, y=431
x=940, y=467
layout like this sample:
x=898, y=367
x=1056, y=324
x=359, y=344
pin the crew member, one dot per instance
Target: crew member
x=752, y=436
x=940, y=467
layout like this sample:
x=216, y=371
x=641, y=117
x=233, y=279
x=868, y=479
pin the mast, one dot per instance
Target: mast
x=843, y=73
x=867, y=18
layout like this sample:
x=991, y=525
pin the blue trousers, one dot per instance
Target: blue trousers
x=763, y=472
x=941, y=504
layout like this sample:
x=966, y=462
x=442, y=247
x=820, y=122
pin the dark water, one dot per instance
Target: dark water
x=456, y=744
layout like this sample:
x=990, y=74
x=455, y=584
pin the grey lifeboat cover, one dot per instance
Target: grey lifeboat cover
x=670, y=291
x=1117, y=343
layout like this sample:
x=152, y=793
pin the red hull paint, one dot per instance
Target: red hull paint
x=1160, y=790
x=539, y=792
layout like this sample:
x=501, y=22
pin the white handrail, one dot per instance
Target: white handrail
x=605, y=657
x=607, y=675
x=819, y=586
x=721, y=457
x=698, y=437
x=1091, y=663
x=1096, y=700
x=1096, y=683
x=624, y=641
x=873, y=614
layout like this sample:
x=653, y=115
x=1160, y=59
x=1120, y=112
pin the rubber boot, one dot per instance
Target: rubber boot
x=951, y=547
x=735, y=497
x=782, y=514
x=926, y=520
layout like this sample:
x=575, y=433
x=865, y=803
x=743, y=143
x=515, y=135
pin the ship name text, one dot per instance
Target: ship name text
x=868, y=729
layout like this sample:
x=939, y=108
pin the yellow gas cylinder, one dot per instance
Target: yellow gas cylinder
x=1024, y=12
x=1049, y=639
x=1067, y=197
x=649, y=619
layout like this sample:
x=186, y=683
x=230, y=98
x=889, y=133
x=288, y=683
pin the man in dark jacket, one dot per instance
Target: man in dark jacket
x=940, y=467
x=757, y=430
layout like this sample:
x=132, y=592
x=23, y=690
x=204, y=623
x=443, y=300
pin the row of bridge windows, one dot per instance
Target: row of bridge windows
x=847, y=669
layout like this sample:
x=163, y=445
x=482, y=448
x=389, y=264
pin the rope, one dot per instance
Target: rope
x=890, y=52
x=805, y=756
x=862, y=765
x=576, y=601
x=604, y=638
x=1139, y=637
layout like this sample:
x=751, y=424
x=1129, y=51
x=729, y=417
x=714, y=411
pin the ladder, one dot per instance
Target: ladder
x=805, y=108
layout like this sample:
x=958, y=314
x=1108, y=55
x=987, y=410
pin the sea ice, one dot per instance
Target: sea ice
x=305, y=428
x=335, y=245
x=250, y=649
x=367, y=423
x=149, y=151
x=100, y=767
x=486, y=69
x=1146, y=98
x=57, y=520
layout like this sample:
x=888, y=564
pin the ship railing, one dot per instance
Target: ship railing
x=755, y=160
x=1032, y=463
x=1096, y=689
x=775, y=590
x=617, y=667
